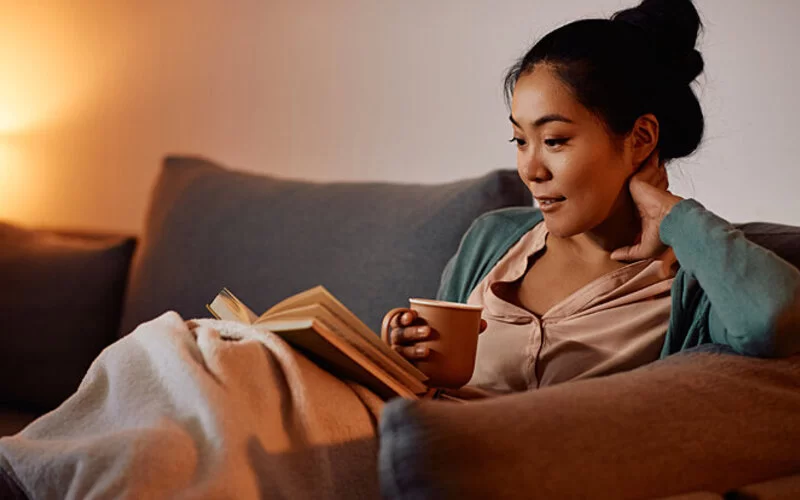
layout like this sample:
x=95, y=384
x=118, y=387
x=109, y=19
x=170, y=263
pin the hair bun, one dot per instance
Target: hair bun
x=672, y=27
x=691, y=67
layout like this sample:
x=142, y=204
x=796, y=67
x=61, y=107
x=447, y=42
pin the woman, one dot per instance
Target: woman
x=586, y=285
x=214, y=410
x=612, y=272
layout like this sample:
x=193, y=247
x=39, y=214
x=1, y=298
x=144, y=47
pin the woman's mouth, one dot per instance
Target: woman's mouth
x=547, y=204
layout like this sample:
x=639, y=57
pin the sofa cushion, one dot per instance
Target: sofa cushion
x=372, y=244
x=782, y=239
x=12, y=421
x=61, y=300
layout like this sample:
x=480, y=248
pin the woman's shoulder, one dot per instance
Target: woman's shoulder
x=487, y=239
x=494, y=232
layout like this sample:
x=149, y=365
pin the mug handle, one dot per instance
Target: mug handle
x=388, y=319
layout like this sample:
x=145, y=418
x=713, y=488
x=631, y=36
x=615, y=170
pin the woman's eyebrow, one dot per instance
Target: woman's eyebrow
x=553, y=117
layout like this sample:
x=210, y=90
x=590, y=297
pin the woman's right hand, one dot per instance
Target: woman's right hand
x=403, y=329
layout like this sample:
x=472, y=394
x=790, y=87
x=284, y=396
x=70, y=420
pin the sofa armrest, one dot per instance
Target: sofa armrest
x=60, y=305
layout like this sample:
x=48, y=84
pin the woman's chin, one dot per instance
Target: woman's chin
x=561, y=227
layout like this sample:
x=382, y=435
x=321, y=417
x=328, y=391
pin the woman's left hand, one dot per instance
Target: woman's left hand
x=653, y=200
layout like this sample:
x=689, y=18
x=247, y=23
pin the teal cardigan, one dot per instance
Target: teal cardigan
x=728, y=290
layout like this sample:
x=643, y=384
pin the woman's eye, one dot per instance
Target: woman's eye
x=551, y=143
x=520, y=142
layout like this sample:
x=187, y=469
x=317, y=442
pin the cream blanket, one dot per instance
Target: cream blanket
x=201, y=409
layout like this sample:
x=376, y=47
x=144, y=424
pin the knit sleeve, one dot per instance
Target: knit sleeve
x=748, y=286
x=485, y=242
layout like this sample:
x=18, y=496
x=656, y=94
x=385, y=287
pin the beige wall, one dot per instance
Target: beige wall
x=94, y=93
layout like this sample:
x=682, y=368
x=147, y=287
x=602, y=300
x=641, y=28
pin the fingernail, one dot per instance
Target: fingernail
x=422, y=332
x=420, y=350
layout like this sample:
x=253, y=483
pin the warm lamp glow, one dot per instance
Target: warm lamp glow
x=15, y=184
x=8, y=120
x=56, y=64
x=49, y=65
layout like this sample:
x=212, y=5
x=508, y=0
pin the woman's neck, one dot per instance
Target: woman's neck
x=620, y=229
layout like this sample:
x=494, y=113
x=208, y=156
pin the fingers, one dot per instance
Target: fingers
x=403, y=317
x=650, y=169
x=654, y=172
x=395, y=318
x=403, y=336
x=413, y=353
x=650, y=163
x=626, y=254
x=661, y=178
x=633, y=253
x=398, y=328
x=409, y=335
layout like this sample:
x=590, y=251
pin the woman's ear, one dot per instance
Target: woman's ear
x=644, y=139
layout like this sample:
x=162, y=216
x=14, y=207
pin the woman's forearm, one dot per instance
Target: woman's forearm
x=753, y=292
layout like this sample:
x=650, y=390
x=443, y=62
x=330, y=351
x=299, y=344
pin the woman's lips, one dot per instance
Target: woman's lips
x=550, y=203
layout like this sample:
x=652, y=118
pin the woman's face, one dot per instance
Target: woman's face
x=565, y=155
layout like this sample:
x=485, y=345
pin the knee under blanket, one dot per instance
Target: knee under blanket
x=204, y=409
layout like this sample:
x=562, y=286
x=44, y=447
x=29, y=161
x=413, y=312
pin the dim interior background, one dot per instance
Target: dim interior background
x=94, y=93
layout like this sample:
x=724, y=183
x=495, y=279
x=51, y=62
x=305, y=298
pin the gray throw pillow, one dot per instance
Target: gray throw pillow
x=373, y=245
x=60, y=305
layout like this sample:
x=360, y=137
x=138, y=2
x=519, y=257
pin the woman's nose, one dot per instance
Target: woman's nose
x=533, y=169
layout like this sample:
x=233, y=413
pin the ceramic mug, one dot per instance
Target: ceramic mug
x=453, y=343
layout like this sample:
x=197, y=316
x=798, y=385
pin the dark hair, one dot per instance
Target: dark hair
x=640, y=61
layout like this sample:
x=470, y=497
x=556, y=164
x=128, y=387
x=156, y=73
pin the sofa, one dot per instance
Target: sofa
x=67, y=295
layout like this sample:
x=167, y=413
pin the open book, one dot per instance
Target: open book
x=328, y=333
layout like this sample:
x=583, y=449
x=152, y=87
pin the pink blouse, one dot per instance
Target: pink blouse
x=614, y=323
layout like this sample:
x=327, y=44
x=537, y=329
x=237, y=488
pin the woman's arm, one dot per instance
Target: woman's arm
x=754, y=294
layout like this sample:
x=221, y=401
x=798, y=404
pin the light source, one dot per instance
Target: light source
x=49, y=73
x=17, y=184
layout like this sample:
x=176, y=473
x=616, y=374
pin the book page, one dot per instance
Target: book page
x=319, y=343
x=320, y=295
x=226, y=306
x=319, y=311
